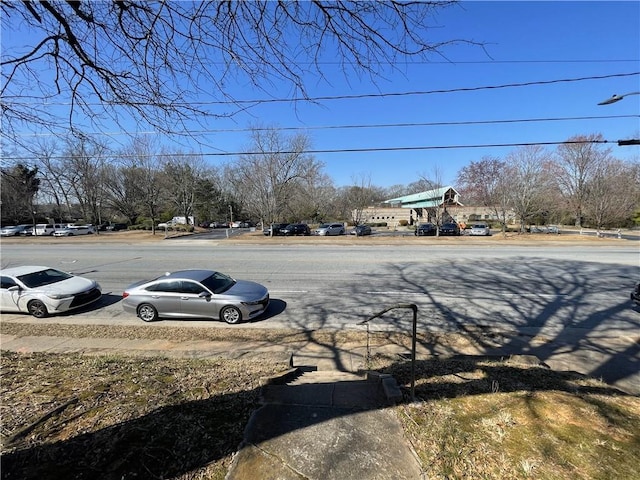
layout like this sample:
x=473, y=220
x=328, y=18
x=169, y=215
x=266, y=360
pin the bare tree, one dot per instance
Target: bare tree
x=528, y=180
x=183, y=177
x=83, y=167
x=486, y=183
x=265, y=180
x=575, y=165
x=613, y=194
x=157, y=61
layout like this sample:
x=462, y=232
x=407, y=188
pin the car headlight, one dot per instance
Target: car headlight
x=59, y=296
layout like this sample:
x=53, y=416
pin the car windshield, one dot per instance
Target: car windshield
x=44, y=277
x=218, y=282
x=479, y=226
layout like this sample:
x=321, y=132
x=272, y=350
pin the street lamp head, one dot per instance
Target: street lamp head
x=616, y=98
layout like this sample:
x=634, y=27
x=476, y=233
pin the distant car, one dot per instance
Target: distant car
x=360, y=230
x=196, y=294
x=635, y=295
x=13, y=230
x=480, y=229
x=27, y=232
x=326, y=229
x=41, y=291
x=276, y=228
x=296, y=229
x=44, y=229
x=426, y=229
x=75, y=230
x=114, y=227
x=449, y=229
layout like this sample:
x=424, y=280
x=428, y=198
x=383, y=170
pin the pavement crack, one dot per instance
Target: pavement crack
x=282, y=461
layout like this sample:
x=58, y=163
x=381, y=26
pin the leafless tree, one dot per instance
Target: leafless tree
x=575, y=165
x=267, y=178
x=166, y=63
x=360, y=195
x=183, y=175
x=83, y=164
x=486, y=183
x=614, y=193
x=528, y=182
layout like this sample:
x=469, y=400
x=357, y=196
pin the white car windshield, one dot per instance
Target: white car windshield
x=44, y=277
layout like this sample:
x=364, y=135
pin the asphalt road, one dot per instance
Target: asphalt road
x=328, y=286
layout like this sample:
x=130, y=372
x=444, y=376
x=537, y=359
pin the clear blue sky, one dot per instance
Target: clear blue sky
x=525, y=42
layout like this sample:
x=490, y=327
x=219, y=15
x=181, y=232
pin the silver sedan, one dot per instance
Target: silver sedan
x=196, y=294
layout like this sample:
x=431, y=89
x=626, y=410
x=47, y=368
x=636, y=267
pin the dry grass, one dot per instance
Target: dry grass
x=73, y=416
x=478, y=418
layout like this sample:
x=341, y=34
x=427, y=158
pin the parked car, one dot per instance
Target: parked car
x=426, y=229
x=296, y=229
x=635, y=295
x=114, y=227
x=74, y=230
x=360, y=230
x=449, y=229
x=276, y=228
x=48, y=228
x=326, y=229
x=481, y=229
x=196, y=294
x=27, y=232
x=13, y=230
x=42, y=291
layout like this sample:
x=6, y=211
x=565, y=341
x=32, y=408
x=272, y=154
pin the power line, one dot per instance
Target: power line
x=345, y=150
x=356, y=96
x=356, y=126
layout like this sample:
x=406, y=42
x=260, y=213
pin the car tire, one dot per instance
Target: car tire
x=147, y=312
x=231, y=315
x=37, y=309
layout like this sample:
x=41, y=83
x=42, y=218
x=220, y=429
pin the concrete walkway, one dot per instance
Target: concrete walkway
x=319, y=420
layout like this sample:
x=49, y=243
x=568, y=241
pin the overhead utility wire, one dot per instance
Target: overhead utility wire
x=366, y=95
x=353, y=126
x=417, y=92
x=349, y=150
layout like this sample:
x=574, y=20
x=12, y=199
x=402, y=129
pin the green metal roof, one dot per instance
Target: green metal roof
x=428, y=199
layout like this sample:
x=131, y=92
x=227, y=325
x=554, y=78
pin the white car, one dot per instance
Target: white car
x=329, y=229
x=480, y=229
x=13, y=230
x=42, y=291
x=75, y=230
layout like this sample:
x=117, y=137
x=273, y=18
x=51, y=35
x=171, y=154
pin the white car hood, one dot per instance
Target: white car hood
x=70, y=286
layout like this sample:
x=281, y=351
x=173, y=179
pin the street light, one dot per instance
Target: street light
x=616, y=98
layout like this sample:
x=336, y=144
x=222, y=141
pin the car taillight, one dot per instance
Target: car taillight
x=125, y=294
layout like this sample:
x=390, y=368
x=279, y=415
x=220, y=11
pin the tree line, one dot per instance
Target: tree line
x=276, y=180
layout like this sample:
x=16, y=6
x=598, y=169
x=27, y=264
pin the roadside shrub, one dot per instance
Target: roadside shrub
x=403, y=223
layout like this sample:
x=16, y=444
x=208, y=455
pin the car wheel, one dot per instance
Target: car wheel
x=37, y=309
x=231, y=315
x=147, y=313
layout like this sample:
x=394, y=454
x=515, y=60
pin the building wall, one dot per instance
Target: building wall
x=459, y=214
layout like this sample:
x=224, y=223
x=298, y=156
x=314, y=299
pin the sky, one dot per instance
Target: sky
x=397, y=139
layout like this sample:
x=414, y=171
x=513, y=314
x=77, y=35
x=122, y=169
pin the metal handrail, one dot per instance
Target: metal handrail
x=414, y=308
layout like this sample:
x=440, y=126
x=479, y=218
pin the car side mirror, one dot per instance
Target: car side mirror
x=15, y=288
x=204, y=295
